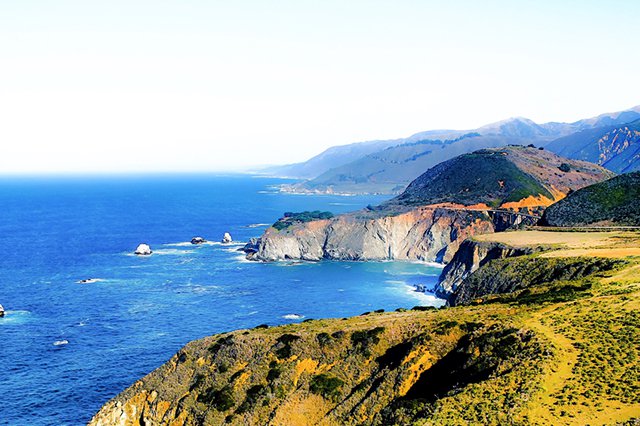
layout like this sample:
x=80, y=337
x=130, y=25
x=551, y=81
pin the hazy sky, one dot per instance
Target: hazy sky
x=216, y=85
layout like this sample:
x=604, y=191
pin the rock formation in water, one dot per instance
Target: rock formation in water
x=1, y=311
x=226, y=238
x=198, y=240
x=143, y=250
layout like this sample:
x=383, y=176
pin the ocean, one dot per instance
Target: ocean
x=69, y=347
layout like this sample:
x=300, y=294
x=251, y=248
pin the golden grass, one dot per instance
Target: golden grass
x=563, y=239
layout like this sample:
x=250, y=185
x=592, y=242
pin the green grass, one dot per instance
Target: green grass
x=301, y=217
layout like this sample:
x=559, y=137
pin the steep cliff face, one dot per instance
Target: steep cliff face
x=428, y=233
x=526, y=274
x=470, y=257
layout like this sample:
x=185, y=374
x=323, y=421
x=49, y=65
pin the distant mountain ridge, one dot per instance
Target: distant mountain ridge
x=388, y=166
x=616, y=147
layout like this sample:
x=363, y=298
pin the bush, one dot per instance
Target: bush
x=564, y=167
x=284, y=345
x=362, y=340
x=221, y=400
x=291, y=218
x=323, y=338
x=326, y=386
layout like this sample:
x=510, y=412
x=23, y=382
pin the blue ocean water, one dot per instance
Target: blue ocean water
x=70, y=347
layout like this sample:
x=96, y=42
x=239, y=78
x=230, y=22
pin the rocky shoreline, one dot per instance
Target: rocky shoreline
x=429, y=233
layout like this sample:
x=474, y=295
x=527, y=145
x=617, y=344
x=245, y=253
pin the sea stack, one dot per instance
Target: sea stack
x=226, y=238
x=143, y=250
x=198, y=240
x=1, y=311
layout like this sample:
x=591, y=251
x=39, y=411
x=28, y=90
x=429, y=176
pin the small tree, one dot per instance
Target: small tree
x=565, y=167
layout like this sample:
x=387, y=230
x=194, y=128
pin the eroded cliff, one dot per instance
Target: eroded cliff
x=429, y=233
x=470, y=257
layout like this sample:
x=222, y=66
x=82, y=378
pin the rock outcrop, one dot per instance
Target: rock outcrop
x=1, y=311
x=470, y=257
x=226, y=238
x=198, y=240
x=143, y=250
x=429, y=233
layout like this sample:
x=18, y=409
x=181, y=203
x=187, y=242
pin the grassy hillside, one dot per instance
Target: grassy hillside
x=498, y=177
x=613, y=202
x=560, y=351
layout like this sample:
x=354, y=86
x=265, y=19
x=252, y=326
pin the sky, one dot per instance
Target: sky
x=192, y=86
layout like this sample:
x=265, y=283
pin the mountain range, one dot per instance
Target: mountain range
x=387, y=166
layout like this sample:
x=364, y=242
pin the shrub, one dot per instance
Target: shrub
x=326, y=386
x=363, y=339
x=323, y=338
x=284, y=343
x=564, y=167
x=221, y=399
x=291, y=218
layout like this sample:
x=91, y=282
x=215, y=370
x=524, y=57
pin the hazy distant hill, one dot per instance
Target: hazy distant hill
x=613, y=202
x=616, y=147
x=388, y=166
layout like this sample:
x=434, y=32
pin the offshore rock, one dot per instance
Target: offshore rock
x=1, y=311
x=226, y=238
x=143, y=250
x=198, y=240
x=430, y=233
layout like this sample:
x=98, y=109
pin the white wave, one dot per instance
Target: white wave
x=395, y=282
x=293, y=316
x=60, y=342
x=182, y=244
x=432, y=264
x=258, y=225
x=242, y=258
x=234, y=249
x=15, y=317
x=426, y=299
x=90, y=280
x=163, y=252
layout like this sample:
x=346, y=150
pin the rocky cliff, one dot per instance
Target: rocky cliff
x=470, y=257
x=429, y=233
